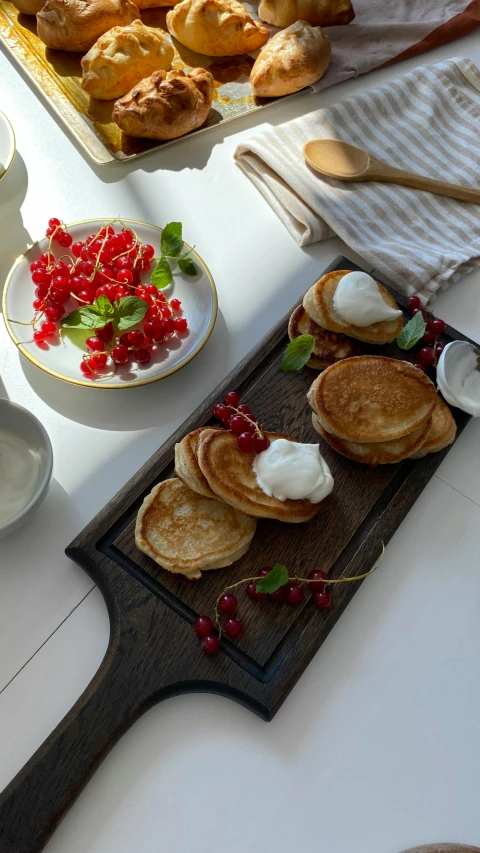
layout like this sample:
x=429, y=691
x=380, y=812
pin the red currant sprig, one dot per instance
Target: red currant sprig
x=291, y=592
x=238, y=418
x=432, y=348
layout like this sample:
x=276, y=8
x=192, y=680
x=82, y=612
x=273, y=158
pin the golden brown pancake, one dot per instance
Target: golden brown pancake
x=230, y=475
x=441, y=433
x=375, y=452
x=187, y=533
x=329, y=346
x=318, y=303
x=372, y=398
x=187, y=468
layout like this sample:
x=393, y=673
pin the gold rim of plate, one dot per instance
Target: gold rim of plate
x=13, y=145
x=135, y=383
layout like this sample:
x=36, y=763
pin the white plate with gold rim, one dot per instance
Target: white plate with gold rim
x=62, y=357
x=7, y=145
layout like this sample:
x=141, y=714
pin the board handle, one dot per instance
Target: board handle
x=36, y=800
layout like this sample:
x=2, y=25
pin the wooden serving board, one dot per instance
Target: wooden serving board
x=153, y=651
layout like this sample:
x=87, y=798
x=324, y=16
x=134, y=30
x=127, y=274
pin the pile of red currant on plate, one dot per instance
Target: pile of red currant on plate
x=98, y=275
x=432, y=348
x=291, y=593
x=238, y=418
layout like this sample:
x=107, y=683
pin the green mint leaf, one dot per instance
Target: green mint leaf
x=129, y=311
x=171, y=240
x=412, y=333
x=187, y=266
x=104, y=306
x=298, y=353
x=86, y=317
x=273, y=581
x=162, y=274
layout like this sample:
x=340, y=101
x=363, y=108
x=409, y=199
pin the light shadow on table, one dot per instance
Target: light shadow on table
x=14, y=238
x=131, y=408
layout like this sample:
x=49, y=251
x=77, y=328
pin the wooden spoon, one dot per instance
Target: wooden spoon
x=348, y=163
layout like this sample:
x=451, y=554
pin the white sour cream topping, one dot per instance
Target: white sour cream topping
x=293, y=471
x=19, y=469
x=458, y=378
x=358, y=301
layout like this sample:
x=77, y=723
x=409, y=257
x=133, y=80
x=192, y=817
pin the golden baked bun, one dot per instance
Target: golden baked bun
x=216, y=27
x=28, y=7
x=292, y=59
x=319, y=13
x=122, y=57
x=77, y=24
x=166, y=105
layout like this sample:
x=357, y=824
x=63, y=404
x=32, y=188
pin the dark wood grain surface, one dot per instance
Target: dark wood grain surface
x=153, y=651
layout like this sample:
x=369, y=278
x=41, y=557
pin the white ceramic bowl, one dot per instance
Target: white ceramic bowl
x=23, y=424
x=7, y=145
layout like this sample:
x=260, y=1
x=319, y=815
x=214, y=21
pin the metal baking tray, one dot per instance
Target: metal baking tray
x=57, y=76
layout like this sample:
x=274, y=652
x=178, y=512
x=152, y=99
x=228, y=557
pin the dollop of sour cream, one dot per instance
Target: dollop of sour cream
x=358, y=301
x=288, y=470
x=19, y=470
x=458, y=377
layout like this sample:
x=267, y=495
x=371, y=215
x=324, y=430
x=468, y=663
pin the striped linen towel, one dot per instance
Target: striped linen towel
x=427, y=121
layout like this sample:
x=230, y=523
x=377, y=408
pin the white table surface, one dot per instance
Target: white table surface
x=377, y=748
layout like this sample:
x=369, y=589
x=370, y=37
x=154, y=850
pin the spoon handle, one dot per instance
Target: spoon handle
x=379, y=171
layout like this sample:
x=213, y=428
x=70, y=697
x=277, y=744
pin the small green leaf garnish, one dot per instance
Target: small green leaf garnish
x=129, y=311
x=298, y=353
x=162, y=274
x=87, y=317
x=171, y=240
x=104, y=306
x=412, y=332
x=270, y=583
x=187, y=266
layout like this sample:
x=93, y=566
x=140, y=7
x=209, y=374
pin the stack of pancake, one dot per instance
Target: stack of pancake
x=379, y=410
x=205, y=517
x=334, y=339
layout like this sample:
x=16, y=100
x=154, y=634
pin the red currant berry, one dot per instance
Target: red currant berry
x=175, y=304
x=105, y=333
x=420, y=366
x=221, y=412
x=59, y=297
x=428, y=337
x=143, y=356
x=322, y=600
x=169, y=325
x=245, y=442
x=318, y=576
x=101, y=359
x=414, y=302
x=61, y=282
x=47, y=258
x=50, y=231
x=181, y=324
x=120, y=354
x=94, y=344
x=251, y=591
x=203, y=626
x=437, y=326
x=48, y=328
x=54, y=312
x=151, y=329
x=64, y=239
x=278, y=595
x=165, y=312
x=422, y=312
x=228, y=603
x=148, y=251
x=106, y=275
x=87, y=268
x=39, y=336
x=41, y=291
x=54, y=222
x=210, y=644
x=124, y=263
x=86, y=296
x=37, y=304
x=232, y=399
x=244, y=409
x=124, y=276
x=127, y=237
x=426, y=355
x=77, y=249
x=120, y=292
x=439, y=349
x=152, y=290
x=260, y=443
x=40, y=276
x=294, y=594
x=35, y=265
x=238, y=424
x=86, y=370
x=233, y=627
x=135, y=338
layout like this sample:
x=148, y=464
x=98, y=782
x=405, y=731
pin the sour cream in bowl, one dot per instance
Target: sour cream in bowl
x=26, y=462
